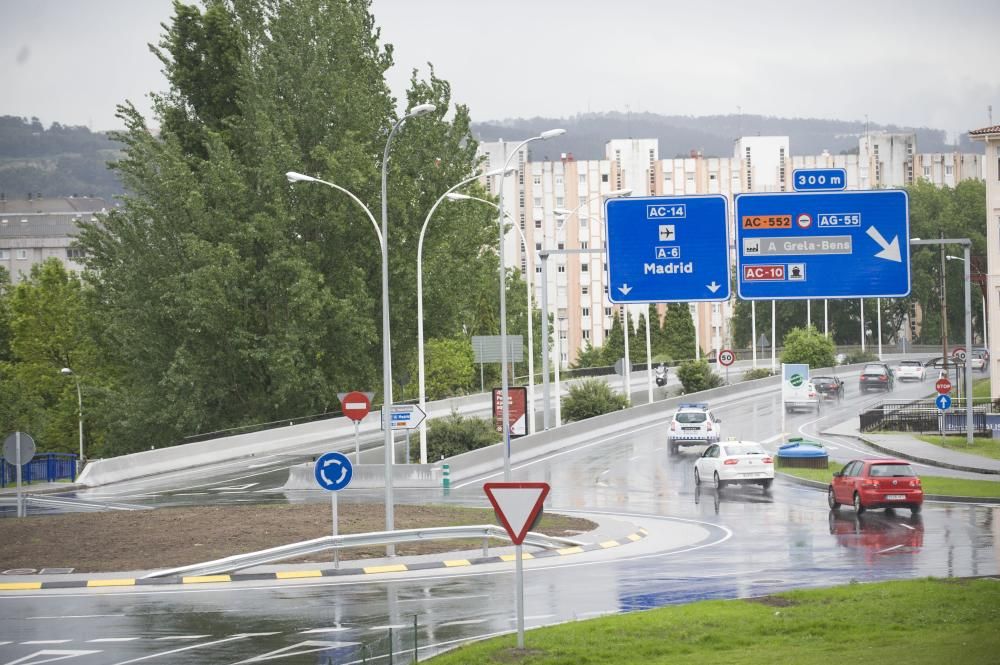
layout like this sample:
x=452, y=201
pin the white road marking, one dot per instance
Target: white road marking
x=224, y=640
x=889, y=549
x=234, y=488
x=323, y=630
x=297, y=650
x=80, y=616
x=183, y=637
x=114, y=639
x=46, y=642
x=905, y=526
x=464, y=622
x=58, y=654
x=390, y=626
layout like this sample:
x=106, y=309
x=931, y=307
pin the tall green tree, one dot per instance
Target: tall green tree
x=231, y=297
x=678, y=329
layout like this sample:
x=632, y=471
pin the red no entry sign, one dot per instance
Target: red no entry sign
x=943, y=386
x=355, y=405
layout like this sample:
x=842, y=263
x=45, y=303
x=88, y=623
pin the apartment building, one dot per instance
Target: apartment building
x=37, y=228
x=577, y=290
x=991, y=136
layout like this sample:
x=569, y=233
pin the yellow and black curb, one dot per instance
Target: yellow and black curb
x=327, y=572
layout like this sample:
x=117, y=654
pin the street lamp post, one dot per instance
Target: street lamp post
x=421, y=369
x=967, y=248
x=504, y=392
x=66, y=371
x=383, y=235
x=530, y=416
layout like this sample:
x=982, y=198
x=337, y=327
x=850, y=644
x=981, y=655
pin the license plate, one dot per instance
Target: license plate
x=894, y=497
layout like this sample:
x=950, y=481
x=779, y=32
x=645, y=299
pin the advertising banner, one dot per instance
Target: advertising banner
x=517, y=407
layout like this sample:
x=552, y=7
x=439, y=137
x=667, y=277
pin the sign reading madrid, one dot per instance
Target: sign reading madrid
x=668, y=249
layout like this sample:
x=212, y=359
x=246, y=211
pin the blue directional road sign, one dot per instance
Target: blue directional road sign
x=800, y=245
x=333, y=471
x=668, y=249
x=818, y=180
x=943, y=402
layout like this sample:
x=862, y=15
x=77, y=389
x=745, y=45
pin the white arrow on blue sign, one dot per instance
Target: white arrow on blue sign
x=943, y=402
x=333, y=471
x=668, y=249
x=801, y=245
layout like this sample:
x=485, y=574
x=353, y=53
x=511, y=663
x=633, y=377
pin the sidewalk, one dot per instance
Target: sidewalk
x=910, y=447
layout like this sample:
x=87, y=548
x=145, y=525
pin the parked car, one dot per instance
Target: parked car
x=978, y=359
x=911, y=370
x=876, y=483
x=693, y=424
x=876, y=376
x=735, y=462
x=830, y=387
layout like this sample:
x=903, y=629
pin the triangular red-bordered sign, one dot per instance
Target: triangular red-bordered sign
x=517, y=505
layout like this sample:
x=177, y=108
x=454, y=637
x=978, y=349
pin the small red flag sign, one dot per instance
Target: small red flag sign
x=517, y=505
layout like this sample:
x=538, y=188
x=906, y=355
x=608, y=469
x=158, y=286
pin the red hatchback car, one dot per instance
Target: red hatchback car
x=876, y=483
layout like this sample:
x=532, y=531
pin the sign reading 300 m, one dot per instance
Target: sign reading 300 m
x=823, y=245
x=668, y=249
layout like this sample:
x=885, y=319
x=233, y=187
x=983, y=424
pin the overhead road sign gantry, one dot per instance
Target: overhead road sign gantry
x=668, y=249
x=802, y=245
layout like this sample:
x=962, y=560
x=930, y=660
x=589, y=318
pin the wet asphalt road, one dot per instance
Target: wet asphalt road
x=750, y=543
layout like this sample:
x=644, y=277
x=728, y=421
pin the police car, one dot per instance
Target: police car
x=692, y=425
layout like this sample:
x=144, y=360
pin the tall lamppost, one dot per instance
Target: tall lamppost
x=530, y=415
x=388, y=443
x=66, y=371
x=421, y=376
x=985, y=328
x=505, y=406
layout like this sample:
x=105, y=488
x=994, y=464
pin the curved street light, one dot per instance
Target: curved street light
x=383, y=237
x=504, y=392
x=530, y=419
x=66, y=371
x=421, y=376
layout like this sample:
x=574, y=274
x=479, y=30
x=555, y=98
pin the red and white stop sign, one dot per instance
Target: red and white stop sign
x=943, y=386
x=355, y=405
x=726, y=357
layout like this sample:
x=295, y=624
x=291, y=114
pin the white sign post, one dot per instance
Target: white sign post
x=518, y=506
x=20, y=447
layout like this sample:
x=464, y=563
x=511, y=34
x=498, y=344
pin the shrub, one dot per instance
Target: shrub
x=591, y=398
x=696, y=375
x=457, y=434
x=808, y=346
x=856, y=357
x=759, y=373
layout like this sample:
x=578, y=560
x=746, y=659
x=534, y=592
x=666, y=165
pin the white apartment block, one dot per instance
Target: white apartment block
x=577, y=290
x=991, y=136
x=33, y=230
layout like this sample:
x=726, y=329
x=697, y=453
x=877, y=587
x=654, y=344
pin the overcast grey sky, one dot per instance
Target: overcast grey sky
x=918, y=62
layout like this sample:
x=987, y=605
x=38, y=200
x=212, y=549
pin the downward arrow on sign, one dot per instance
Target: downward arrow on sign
x=625, y=288
x=713, y=287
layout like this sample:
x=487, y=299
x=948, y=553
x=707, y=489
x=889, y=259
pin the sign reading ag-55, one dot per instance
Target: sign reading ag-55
x=668, y=249
x=823, y=245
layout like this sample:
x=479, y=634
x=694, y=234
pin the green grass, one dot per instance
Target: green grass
x=981, y=388
x=931, y=484
x=983, y=446
x=920, y=622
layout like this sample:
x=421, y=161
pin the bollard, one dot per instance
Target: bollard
x=445, y=473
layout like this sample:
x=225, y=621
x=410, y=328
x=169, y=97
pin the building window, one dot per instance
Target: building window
x=583, y=222
x=604, y=177
x=537, y=180
x=75, y=253
x=584, y=267
x=607, y=311
x=561, y=245
x=538, y=201
x=584, y=244
x=584, y=290
x=22, y=254
x=585, y=311
x=538, y=270
x=538, y=224
x=560, y=201
x=583, y=178
x=927, y=172
x=559, y=180
x=538, y=247
x=948, y=170
x=586, y=335
x=562, y=268
x=4, y=255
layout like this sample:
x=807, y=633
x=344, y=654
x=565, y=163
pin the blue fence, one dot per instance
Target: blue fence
x=43, y=468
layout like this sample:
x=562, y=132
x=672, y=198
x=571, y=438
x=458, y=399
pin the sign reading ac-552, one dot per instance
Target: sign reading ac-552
x=767, y=222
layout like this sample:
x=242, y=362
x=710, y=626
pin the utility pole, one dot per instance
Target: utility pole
x=944, y=312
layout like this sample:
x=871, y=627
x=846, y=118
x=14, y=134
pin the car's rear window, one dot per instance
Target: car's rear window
x=874, y=370
x=691, y=417
x=911, y=363
x=891, y=471
x=738, y=449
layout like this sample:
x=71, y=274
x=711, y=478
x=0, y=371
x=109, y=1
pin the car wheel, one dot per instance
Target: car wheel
x=718, y=482
x=831, y=499
x=858, y=508
x=671, y=447
x=915, y=509
x=767, y=484
x=697, y=477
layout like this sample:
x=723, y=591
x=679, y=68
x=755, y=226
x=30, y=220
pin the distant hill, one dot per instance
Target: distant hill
x=712, y=135
x=58, y=161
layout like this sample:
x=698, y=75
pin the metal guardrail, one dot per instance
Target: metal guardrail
x=922, y=415
x=45, y=467
x=295, y=550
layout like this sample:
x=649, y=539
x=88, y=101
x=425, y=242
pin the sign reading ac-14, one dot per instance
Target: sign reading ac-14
x=823, y=245
x=668, y=249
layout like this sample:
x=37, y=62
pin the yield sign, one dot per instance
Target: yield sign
x=517, y=505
